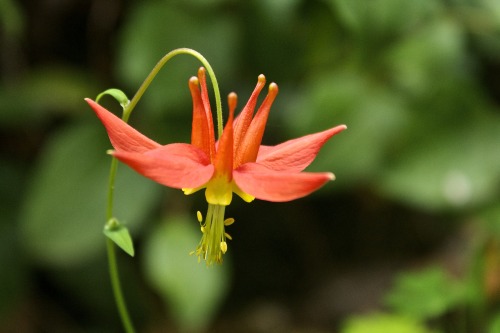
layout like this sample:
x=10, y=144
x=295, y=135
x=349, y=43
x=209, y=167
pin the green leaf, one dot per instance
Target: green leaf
x=374, y=123
x=119, y=234
x=452, y=166
x=426, y=294
x=14, y=278
x=193, y=291
x=383, y=323
x=494, y=326
x=11, y=18
x=116, y=94
x=51, y=89
x=65, y=206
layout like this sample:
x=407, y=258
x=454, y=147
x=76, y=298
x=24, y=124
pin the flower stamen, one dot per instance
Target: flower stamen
x=213, y=243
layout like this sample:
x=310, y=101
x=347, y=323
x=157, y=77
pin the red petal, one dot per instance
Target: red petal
x=244, y=119
x=269, y=185
x=224, y=156
x=206, y=103
x=200, y=136
x=295, y=155
x=248, y=149
x=123, y=137
x=177, y=165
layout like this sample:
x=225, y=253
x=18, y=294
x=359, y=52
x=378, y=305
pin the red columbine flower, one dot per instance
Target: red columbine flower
x=236, y=163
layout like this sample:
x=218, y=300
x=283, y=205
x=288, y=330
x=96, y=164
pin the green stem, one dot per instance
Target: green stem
x=117, y=290
x=111, y=188
x=113, y=267
x=158, y=67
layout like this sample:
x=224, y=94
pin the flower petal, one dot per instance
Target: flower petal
x=202, y=77
x=295, y=155
x=123, y=137
x=277, y=186
x=244, y=119
x=178, y=165
x=248, y=148
x=200, y=135
x=224, y=155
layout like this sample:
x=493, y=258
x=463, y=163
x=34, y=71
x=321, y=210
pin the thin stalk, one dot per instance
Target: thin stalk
x=117, y=290
x=158, y=67
x=113, y=266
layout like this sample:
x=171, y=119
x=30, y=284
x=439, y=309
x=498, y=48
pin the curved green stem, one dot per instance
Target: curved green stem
x=158, y=67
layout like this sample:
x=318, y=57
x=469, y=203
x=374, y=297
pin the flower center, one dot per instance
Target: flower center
x=213, y=241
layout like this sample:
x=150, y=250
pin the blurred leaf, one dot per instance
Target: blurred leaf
x=491, y=220
x=11, y=18
x=426, y=294
x=373, y=121
x=119, y=235
x=193, y=291
x=14, y=275
x=14, y=271
x=42, y=91
x=382, y=19
x=280, y=12
x=494, y=326
x=146, y=39
x=64, y=212
x=436, y=49
x=383, y=323
x=453, y=165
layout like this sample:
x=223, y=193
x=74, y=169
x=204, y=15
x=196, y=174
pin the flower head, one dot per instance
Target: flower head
x=236, y=163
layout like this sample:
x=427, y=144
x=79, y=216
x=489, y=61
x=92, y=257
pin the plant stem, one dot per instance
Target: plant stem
x=117, y=290
x=158, y=67
x=113, y=267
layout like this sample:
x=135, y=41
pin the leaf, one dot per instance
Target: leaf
x=452, y=166
x=12, y=19
x=51, y=89
x=373, y=122
x=426, y=294
x=193, y=291
x=15, y=273
x=494, y=326
x=65, y=205
x=116, y=94
x=383, y=323
x=119, y=234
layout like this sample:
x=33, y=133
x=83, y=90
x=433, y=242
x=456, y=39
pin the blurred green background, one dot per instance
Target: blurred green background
x=407, y=239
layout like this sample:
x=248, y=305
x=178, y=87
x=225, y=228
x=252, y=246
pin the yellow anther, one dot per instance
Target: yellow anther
x=228, y=221
x=202, y=229
x=223, y=247
x=228, y=236
x=199, y=216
